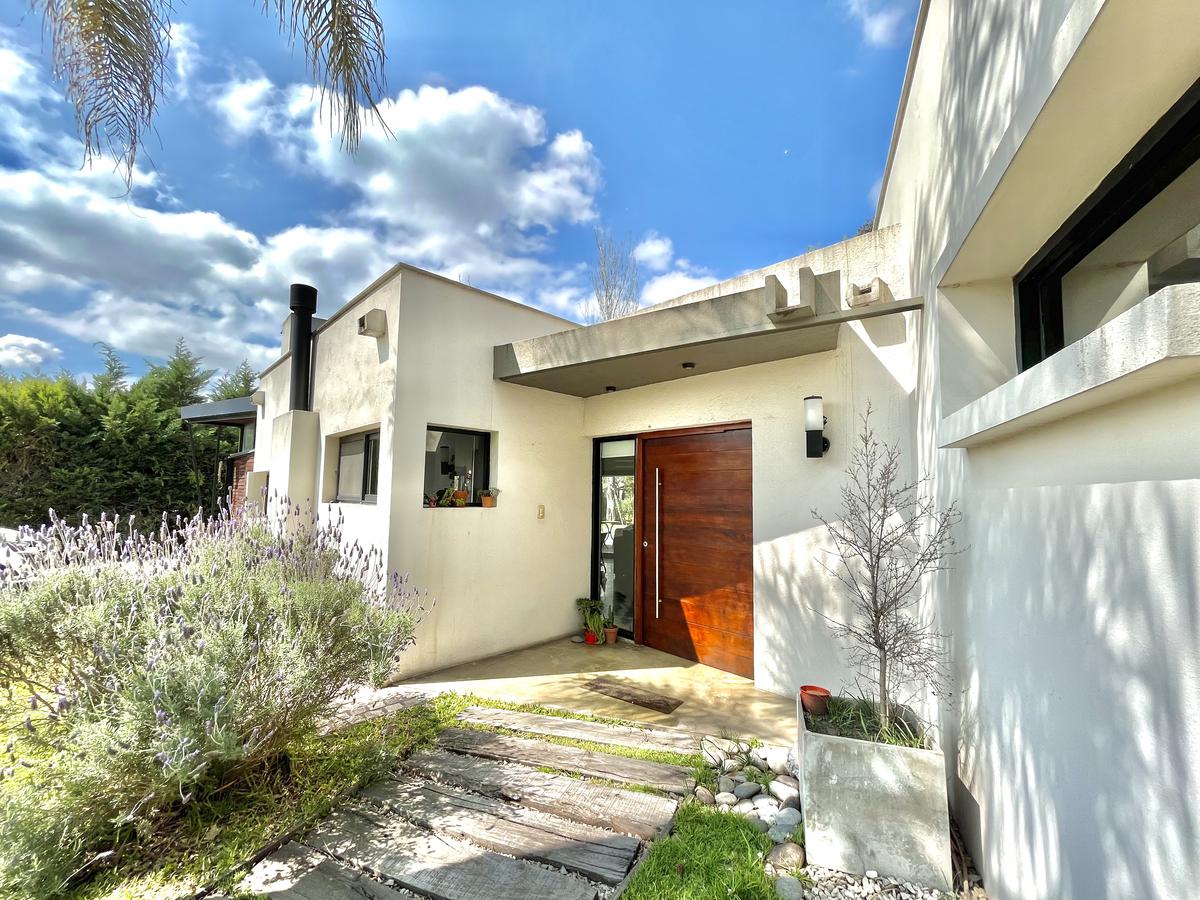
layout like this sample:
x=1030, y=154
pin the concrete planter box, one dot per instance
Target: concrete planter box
x=871, y=806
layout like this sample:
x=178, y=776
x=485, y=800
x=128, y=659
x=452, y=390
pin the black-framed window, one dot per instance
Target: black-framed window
x=246, y=441
x=457, y=466
x=358, y=468
x=1122, y=224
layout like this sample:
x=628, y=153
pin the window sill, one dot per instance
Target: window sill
x=1151, y=345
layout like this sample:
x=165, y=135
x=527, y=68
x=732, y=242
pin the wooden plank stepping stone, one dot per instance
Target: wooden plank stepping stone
x=648, y=816
x=295, y=872
x=433, y=864
x=514, y=830
x=627, y=692
x=582, y=730
x=674, y=779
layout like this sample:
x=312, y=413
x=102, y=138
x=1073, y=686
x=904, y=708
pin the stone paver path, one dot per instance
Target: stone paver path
x=491, y=816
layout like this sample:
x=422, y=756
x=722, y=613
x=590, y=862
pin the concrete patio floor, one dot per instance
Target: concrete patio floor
x=554, y=674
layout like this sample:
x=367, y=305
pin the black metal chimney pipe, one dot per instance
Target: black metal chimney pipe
x=303, y=304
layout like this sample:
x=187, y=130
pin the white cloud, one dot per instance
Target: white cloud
x=472, y=186
x=675, y=284
x=242, y=104
x=18, y=77
x=18, y=351
x=882, y=22
x=460, y=166
x=873, y=193
x=677, y=276
x=654, y=252
x=185, y=56
x=466, y=182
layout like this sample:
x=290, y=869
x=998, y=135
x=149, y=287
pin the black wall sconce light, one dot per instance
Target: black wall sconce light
x=814, y=427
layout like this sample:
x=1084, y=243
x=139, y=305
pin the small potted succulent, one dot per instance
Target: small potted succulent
x=610, y=628
x=488, y=496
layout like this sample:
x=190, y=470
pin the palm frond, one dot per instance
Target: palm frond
x=343, y=44
x=110, y=56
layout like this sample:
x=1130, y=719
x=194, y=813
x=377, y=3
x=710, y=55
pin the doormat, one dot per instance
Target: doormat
x=638, y=696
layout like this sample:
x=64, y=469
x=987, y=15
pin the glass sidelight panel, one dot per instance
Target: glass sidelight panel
x=613, y=529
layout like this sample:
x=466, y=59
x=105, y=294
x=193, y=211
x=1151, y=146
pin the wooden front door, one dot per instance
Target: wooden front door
x=696, y=579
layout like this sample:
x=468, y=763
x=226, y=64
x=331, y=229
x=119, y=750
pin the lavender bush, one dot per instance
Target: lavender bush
x=159, y=667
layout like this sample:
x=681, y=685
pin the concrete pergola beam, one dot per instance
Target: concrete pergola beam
x=739, y=329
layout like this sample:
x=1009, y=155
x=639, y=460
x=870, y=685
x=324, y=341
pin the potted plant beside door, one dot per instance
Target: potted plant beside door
x=610, y=627
x=593, y=619
x=873, y=791
x=488, y=496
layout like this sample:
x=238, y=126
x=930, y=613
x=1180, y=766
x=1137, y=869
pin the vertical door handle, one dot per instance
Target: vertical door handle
x=657, y=548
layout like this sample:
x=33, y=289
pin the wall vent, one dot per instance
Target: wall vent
x=373, y=323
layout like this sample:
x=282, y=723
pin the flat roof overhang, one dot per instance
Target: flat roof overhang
x=651, y=347
x=237, y=411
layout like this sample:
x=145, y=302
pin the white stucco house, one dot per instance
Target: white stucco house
x=1024, y=319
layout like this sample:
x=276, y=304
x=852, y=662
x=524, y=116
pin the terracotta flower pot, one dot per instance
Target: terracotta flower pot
x=610, y=635
x=461, y=495
x=814, y=699
x=590, y=637
x=488, y=502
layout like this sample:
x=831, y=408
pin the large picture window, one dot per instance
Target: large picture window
x=1130, y=238
x=358, y=468
x=456, y=466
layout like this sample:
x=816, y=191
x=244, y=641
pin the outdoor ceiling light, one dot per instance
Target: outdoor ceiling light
x=814, y=427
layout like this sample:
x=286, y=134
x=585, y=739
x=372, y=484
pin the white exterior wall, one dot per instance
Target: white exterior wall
x=1074, y=738
x=353, y=390
x=502, y=578
x=792, y=643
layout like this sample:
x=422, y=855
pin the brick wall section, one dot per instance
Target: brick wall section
x=239, y=466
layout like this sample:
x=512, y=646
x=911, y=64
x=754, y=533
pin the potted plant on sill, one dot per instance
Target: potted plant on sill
x=488, y=496
x=593, y=619
x=873, y=786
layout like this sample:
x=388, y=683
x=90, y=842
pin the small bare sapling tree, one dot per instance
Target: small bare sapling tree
x=616, y=282
x=889, y=537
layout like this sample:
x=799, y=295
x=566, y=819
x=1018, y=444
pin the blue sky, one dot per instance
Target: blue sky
x=717, y=137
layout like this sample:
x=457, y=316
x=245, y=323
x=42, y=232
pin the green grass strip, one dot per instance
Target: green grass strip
x=710, y=856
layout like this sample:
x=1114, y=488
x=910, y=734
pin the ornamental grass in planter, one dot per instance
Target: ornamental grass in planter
x=873, y=800
x=873, y=787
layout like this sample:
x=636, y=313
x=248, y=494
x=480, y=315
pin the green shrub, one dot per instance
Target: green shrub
x=157, y=669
